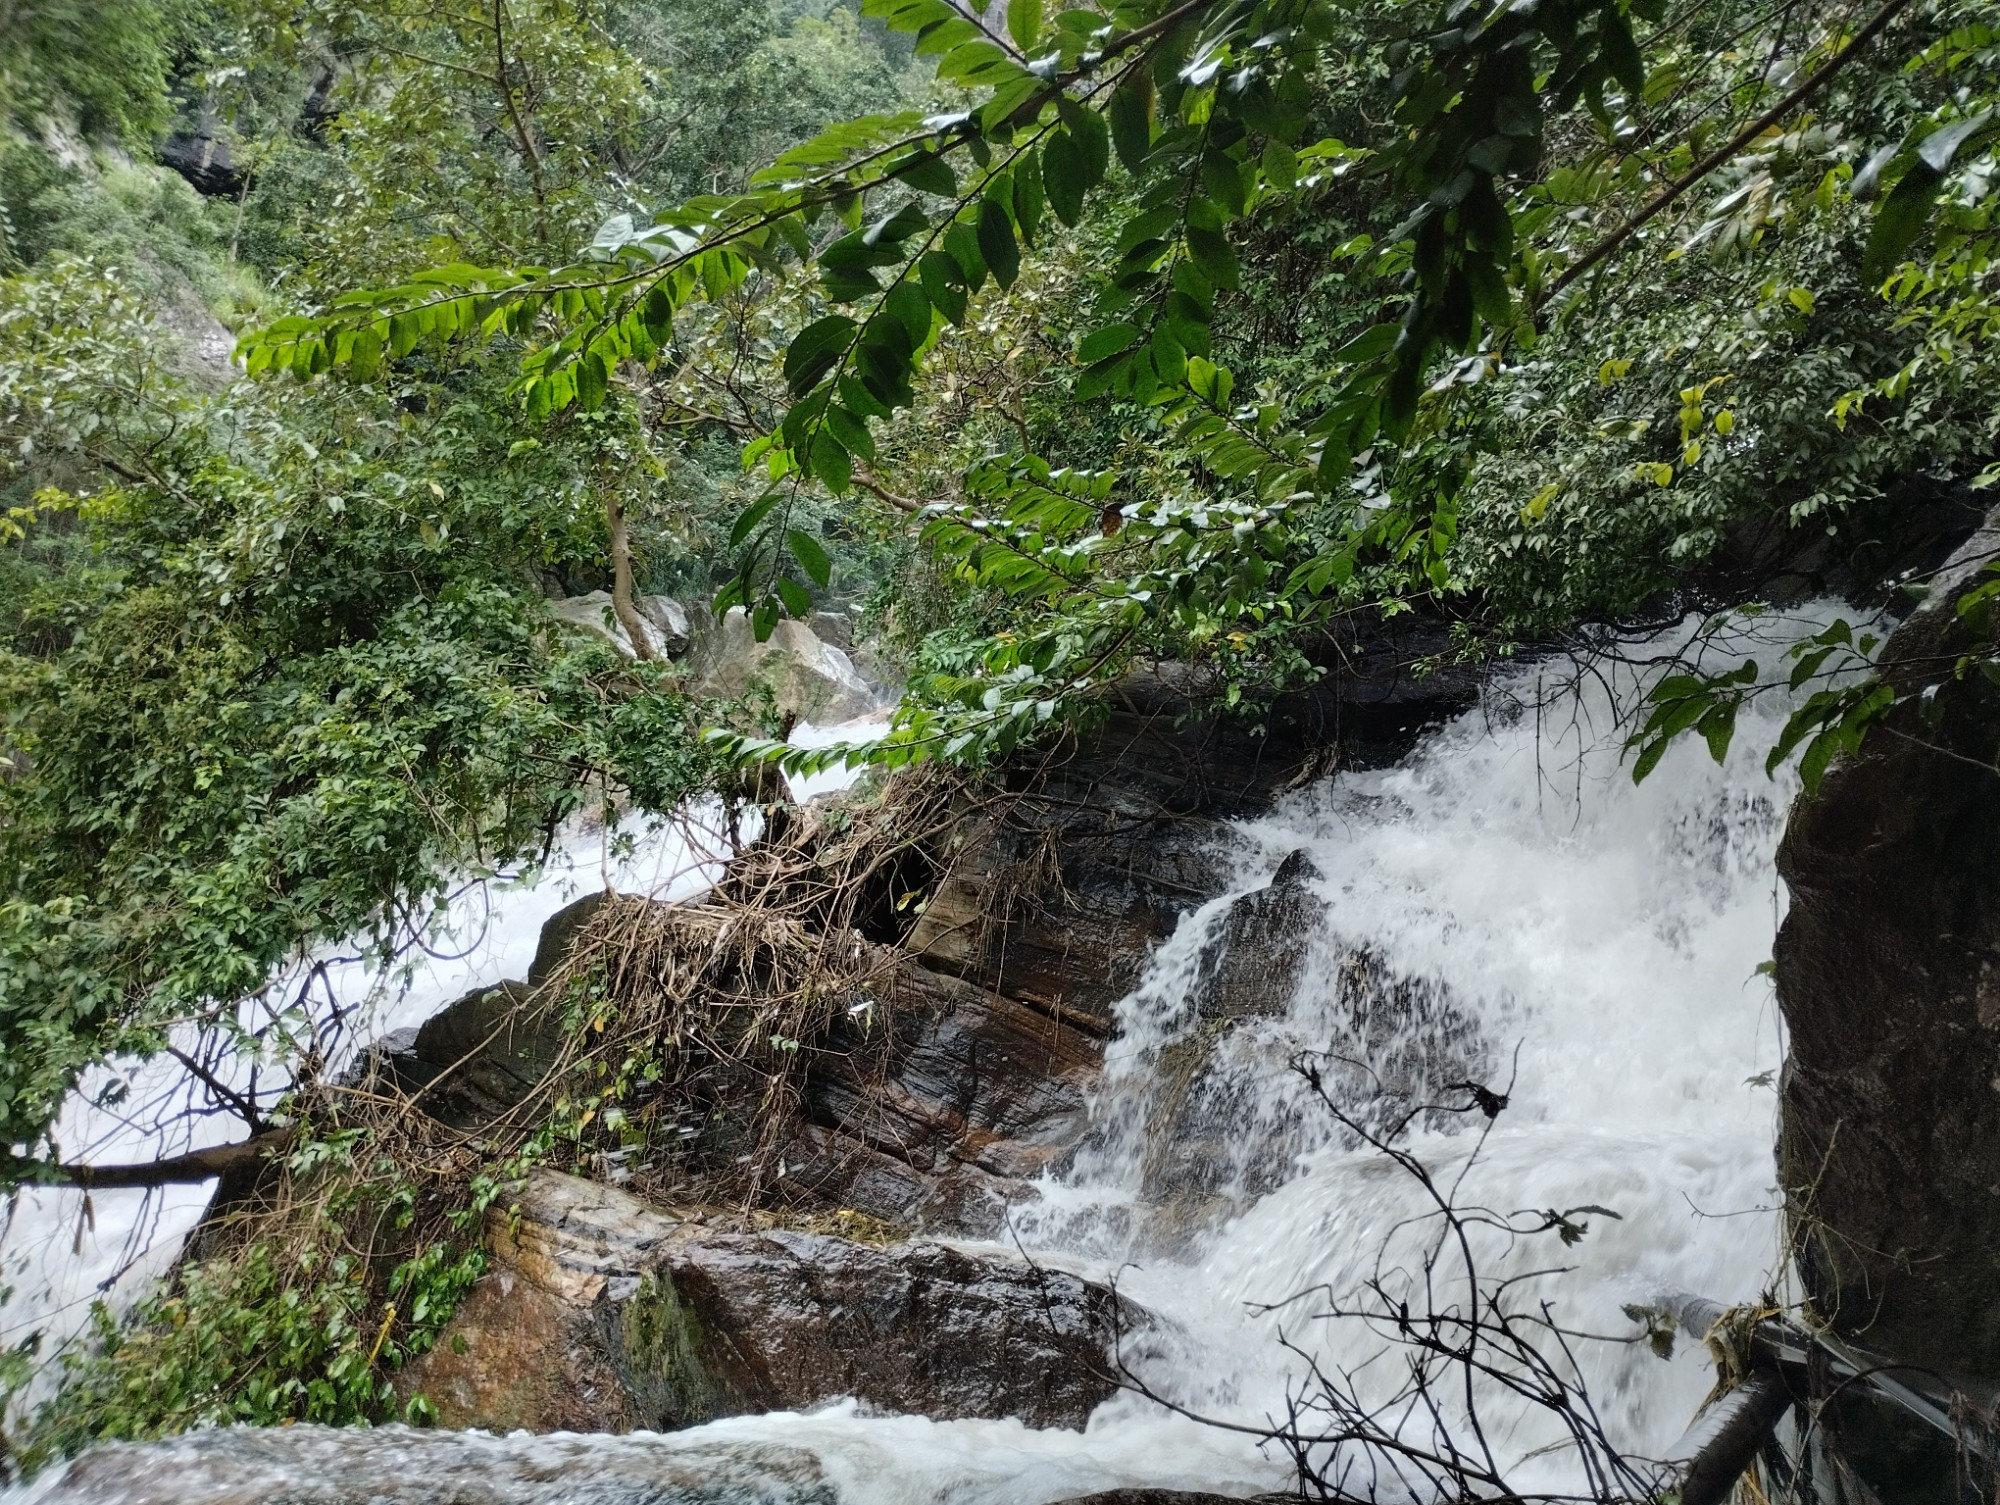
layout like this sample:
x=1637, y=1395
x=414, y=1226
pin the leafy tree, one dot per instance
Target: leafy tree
x=1531, y=150
x=105, y=69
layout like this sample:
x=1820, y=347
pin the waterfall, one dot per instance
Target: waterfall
x=1504, y=907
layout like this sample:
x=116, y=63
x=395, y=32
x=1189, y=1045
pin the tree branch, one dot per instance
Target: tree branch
x=194, y=1166
x=1674, y=190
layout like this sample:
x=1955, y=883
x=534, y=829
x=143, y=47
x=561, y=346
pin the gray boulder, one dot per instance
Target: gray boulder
x=811, y=679
x=398, y=1465
x=594, y=613
x=669, y=621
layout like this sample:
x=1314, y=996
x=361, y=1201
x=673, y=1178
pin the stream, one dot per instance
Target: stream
x=1542, y=927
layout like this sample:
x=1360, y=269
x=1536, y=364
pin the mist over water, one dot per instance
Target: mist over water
x=1541, y=926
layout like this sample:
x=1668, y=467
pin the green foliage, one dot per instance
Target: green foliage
x=305, y=1321
x=1400, y=467
x=101, y=69
x=295, y=687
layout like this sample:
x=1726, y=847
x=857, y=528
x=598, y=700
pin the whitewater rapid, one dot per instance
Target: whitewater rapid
x=1604, y=944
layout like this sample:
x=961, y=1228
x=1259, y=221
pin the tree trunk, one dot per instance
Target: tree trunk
x=621, y=578
x=195, y=1165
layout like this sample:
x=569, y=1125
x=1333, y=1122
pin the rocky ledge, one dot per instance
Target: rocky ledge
x=603, y=1313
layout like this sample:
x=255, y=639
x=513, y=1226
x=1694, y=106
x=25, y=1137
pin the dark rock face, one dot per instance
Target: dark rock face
x=942, y=1125
x=1255, y=964
x=1114, y=835
x=477, y=1057
x=792, y=1319
x=1888, y=972
x=484, y=1053
x=1399, y=1041
x=631, y=1316
x=199, y=151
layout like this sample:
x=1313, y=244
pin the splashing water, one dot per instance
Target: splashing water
x=1504, y=906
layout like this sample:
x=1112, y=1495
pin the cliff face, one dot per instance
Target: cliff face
x=1888, y=973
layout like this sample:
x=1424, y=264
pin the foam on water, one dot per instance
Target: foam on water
x=1596, y=944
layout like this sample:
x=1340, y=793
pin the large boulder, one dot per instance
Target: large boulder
x=484, y=1053
x=1888, y=973
x=671, y=623
x=594, y=613
x=666, y=1320
x=810, y=679
x=941, y=1120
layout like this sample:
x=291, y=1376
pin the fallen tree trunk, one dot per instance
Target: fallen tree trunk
x=179, y=1170
x=1713, y=1454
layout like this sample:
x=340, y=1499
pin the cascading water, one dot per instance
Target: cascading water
x=1504, y=907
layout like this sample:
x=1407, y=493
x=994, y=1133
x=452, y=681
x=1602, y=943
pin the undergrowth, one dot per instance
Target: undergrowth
x=308, y=1292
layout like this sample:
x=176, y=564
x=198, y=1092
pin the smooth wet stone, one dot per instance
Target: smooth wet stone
x=397, y=1465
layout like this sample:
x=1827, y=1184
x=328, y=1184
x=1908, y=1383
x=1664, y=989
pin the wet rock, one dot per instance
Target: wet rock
x=670, y=622
x=969, y=1072
x=835, y=627
x=478, y=1056
x=559, y=933
x=397, y=1465
x=938, y=1114
x=673, y=1323
x=594, y=613
x=810, y=679
x=1255, y=962
x=791, y=1319
x=1888, y=973
x=485, y=1052
x=1400, y=1040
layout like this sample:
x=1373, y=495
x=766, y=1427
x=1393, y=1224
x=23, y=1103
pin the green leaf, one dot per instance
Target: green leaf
x=996, y=244
x=1281, y=165
x=1029, y=199
x=927, y=171
x=1132, y=118
x=1092, y=136
x=1718, y=728
x=830, y=460
x=591, y=382
x=962, y=242
x=944, y=284
x=1214, y=255
x=798, y=601
x=1648, y=759
x=811, y=555
x=755, y=513
x=1063, y=177
x=908, y=304
x=851, y=431
x=1108, y=341
x=815, y=349
x=1024, y=22
x=1899, y=221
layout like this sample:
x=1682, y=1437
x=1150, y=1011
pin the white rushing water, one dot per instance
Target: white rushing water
x=1536, y=918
